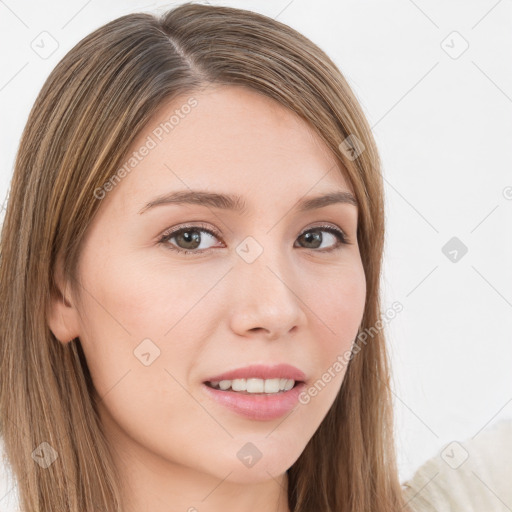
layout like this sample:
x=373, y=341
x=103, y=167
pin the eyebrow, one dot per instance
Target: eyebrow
x=237, y=204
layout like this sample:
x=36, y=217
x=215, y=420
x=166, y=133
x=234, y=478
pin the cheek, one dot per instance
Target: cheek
x=135, y=327
x=141, y=299
x=337, y=303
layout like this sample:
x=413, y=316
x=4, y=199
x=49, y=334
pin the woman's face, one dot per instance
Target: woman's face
x=273, y=284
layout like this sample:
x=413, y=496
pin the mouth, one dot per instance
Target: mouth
x=256, y=400
x=254, y=386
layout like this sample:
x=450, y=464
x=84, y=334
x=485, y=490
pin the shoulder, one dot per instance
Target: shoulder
x=470, y=476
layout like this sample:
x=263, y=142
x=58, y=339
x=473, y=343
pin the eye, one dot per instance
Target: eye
x=189, y=241
x=313, y=236
x=189, y=237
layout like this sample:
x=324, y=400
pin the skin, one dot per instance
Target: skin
x=174, y=446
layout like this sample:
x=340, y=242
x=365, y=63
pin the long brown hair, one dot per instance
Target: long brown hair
x=91, y=107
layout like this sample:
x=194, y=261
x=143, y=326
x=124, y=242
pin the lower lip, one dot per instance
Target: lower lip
x=256, y=406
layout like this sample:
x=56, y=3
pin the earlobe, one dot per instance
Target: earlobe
x=62, y=316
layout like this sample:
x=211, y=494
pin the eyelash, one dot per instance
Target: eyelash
x=340, y=235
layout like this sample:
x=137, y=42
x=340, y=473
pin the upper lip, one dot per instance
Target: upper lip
x=259, y=371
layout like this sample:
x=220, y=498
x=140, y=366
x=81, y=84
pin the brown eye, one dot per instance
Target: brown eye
x=313, y=238
x=189, y=239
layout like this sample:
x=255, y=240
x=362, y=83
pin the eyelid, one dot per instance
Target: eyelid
x=328, y=227
x=196, y=225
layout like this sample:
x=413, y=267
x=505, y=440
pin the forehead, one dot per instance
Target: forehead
x=230, y=139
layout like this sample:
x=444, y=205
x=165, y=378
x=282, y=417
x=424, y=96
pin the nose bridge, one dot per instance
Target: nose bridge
x=263, y=265
x=265, y=295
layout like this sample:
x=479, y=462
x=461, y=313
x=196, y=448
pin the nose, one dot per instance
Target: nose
x=267, y=299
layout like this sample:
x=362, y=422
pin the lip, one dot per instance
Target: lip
x=262, y=407
x=259, y=371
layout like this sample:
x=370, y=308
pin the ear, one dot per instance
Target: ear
x=62, y=316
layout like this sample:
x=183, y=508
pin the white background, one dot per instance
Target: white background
x=443, y=124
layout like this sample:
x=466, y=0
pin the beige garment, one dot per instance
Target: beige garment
x=466, y=476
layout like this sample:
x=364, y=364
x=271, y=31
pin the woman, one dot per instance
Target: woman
x=190, y=264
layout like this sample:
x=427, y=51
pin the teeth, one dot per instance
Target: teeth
x=254, y=385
